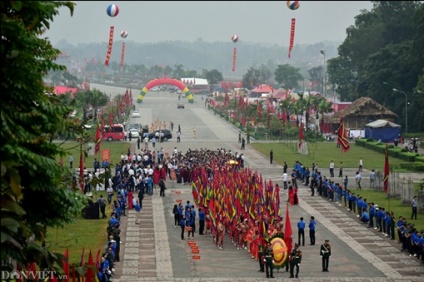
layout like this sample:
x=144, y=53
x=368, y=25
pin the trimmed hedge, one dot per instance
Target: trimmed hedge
x=415, y=166
x=396, y=152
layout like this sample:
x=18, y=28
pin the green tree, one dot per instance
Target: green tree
x=316, y=75
x=384, y=45
x=288, y=76
x=213, y=76
x=35, y=190
x=252, y=77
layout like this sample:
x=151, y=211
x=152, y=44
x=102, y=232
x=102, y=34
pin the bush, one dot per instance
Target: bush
x=416, y=166
x=410, y=157
x=419, y=159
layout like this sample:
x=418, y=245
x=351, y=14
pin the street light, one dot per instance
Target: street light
x=406, y=108
x=406, y=104
x=323, y=84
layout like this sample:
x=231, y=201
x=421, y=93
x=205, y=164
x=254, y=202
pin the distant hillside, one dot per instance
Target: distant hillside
x=200, y=55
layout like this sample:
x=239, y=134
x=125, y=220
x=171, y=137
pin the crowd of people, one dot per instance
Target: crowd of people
x=146, y=172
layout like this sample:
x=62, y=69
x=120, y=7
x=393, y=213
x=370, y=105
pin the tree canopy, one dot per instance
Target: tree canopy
x=384, y=45
x=36, y=191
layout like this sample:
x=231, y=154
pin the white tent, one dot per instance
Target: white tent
x=381, y=123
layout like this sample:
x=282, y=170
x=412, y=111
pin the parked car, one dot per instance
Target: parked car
x=180, y=106
x=134, y=133
x=135, y=125
x=166, y=134
x=135, y=114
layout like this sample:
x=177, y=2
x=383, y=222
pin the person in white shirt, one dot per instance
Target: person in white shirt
x=146, y=142
x=285, y=183
x=361, y=164
x=331, y=169
x=150, y=171
x=109, y=191
x=372, y=178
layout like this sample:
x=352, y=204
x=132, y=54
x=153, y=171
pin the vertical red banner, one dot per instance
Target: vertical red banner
x=234, y=58
x=386, y=170
x=109, y=47
x=122, y=54
x=293, y=26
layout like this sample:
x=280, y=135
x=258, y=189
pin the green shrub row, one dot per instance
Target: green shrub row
x=393, y=151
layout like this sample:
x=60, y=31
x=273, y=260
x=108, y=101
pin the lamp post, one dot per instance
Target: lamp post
x=406, y=108
x=406, y=104
x=323, y=80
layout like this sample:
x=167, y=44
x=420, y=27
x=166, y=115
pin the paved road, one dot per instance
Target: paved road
x=153, y=250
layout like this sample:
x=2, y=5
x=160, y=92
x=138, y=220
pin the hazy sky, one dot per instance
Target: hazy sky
x=257, y=21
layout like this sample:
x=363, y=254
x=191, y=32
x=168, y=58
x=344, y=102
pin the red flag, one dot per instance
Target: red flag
x=342, y=137
x=110, y=117
x=386, y=171
x=259, y=109
x=74, y=278
x=81, y=172
x=82, y=262
x=227, y=100
x=98, y=140
x=66, y=265
x=300, y=135
x=288, y=230
x=241, y=102
x=89, y=275
x=98, y=258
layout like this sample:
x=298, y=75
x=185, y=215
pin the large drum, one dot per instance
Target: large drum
x=280, y=250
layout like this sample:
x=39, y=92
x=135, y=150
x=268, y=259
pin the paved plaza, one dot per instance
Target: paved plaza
x=154, y=251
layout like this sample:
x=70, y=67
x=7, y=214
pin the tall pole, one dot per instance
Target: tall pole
x=324, y=76
x=406, y=108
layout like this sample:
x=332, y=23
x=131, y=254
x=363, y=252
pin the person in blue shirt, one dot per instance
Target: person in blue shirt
x=201, y=221
x=301, y=231
x=365, y=217
x=354, y=199
x=137, y=209
x=345, y=182
x=150, y=185
x=193, y=220
x=311, y=226
x=182, y=225
x=359, y=203
x=189, y=223
x=372, y=213
x=346, y=197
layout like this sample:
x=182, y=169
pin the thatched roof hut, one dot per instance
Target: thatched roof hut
x=361, y=112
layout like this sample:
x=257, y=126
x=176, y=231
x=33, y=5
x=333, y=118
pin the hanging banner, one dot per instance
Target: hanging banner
x=106, y=155
x=293, y=24
x=234, y=58
x=109, y=47
x=122, y=54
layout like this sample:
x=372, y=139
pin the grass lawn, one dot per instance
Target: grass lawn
x=89, y=234
x=322, y=153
